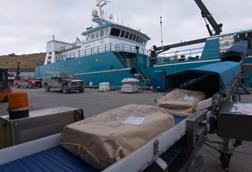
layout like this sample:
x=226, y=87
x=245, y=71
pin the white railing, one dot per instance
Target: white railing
x=131, y=49
x=187, y=54
x=101, y=49
x=180, y=54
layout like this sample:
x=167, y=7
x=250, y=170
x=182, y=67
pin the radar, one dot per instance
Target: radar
x=98, y=15
x=111, y=17
x=95, y=13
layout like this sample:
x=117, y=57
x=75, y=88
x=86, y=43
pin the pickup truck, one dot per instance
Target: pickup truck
x=63, y=82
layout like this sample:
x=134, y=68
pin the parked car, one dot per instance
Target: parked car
x=5, y=90
x=27, y=83
x=63, y=82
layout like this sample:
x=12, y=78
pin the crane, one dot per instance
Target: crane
x=209, y=19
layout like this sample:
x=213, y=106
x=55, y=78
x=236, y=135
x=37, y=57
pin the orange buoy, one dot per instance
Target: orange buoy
x=18, y=105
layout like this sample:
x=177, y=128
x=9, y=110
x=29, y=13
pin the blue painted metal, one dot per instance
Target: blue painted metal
x=52, y=160
x=211, y=49
x=108, y=67
x=185, y=65
x=240, y=47
x=227, y=71
x=178, y=119
x=248, y=74
x=158, y=84
x=93, y=68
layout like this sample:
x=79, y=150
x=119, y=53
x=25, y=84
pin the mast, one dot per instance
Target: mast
x=98, y=16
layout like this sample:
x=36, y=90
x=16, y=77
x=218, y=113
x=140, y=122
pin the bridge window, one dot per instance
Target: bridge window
x=127, y=35
x=101, y=33
x=97, y=35
x=140, y=40
x=115, y=32
x=106, y=31
x=131, y=35
x=137, y=38
x=122, y=33
x=88, y=37
x=92, y=36
x=134, y=37
x=249, y=35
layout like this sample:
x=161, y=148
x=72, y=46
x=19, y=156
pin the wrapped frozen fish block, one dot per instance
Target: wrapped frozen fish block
x=106, y=138
x=181, y=102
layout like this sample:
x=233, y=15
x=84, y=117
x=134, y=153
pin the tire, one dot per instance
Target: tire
x=81, y=90
x=17, y=86
x=47, y=88
x=5, y=99
x=64, y=89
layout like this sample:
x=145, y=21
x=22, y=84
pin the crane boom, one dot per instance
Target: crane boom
x=161, y=49
x=208, y=16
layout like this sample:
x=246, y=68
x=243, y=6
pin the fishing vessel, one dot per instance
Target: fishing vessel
x=111, y=52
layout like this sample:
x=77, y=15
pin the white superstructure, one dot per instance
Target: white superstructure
x=107, y=36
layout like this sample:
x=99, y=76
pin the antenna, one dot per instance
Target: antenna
x=161, y=27
x=111, y=17
x=161, y=22
x=99, y=16
x=100, y=4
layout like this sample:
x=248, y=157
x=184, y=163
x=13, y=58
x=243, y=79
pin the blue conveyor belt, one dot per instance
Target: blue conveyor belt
x=54, y=160
x=178, y=119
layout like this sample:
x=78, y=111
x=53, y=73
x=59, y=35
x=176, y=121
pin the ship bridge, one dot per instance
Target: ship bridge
x=115, y=34
x=105, y=37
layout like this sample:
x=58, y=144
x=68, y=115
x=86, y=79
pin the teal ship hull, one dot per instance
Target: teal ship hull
x=113, y=65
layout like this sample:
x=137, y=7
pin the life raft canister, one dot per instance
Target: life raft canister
x=18, y=105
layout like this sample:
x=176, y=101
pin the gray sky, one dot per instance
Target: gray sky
x=26, y=25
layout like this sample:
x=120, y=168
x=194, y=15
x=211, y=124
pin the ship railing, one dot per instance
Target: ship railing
x=131, y=49
x=182, y=55
x=100, y=49
x=187, y=54
x=82, y=53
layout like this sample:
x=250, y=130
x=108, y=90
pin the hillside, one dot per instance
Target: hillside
x=27, y=61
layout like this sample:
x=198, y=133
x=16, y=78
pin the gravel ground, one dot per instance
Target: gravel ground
x=94, y=102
